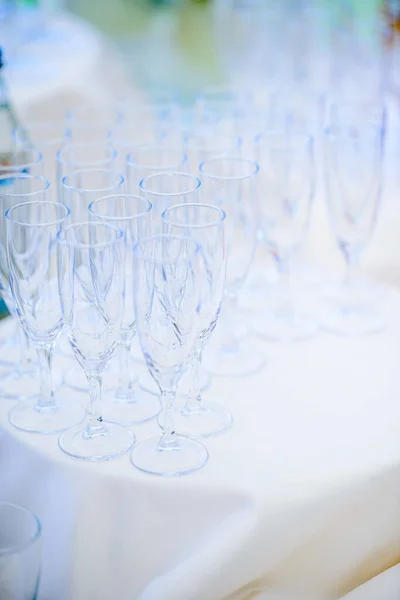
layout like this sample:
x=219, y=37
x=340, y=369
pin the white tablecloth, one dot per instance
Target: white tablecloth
x=302, y=493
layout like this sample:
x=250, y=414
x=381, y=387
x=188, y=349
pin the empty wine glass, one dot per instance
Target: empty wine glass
x=287, y=174
x=354, y=148
x=32, y=228
x=91, y=285
x=144, y=161
x=205, y=224
x=90, y=155
x=21, y=381
x=47, y=137
x=206, y=145
x=232, y=184
x=81, y=187
x=166, y=189
x=167, y=303
x=132, y=133
x=20, y=553
x=125, y=404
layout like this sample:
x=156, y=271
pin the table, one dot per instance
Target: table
x=302, y=493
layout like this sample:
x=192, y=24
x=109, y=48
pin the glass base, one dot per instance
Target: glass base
x=20, y=385
x=26, y=417
x=208, y=420
x=245, y=359
x=182, y=458
x=291, y=328
x=143, y=407
x=115, y=441
x=348, y=323
x=76, y=379
x=148, y=384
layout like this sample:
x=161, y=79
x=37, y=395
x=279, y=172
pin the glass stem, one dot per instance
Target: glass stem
x=46, y=399
x=166, y=420
x=125, y=384
x=25, y=360
x=352, y=295
x=194, y=400
x=95, y=425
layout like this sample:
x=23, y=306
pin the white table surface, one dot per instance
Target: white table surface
x=302, y=493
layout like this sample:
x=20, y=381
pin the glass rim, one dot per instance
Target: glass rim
x=170, y=174
x=166, y=236
x=256, y=168
x=64, y=161
x=24, y=176
x=131, y=163
x=57, y=221
x=65, y=242
x=15, y=134
x=66, y=185
x=145, y=212
x=215, y=223
x=31, y=539
x=25, y=165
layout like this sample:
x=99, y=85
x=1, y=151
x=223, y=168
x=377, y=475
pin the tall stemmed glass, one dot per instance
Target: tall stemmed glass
x=132, y=214
x=89, y=155
x=21, y=381
x=25, y=160
x=81, y=187
x=168, y=299
x=91, y=286
x=206, y=145
x=32, y=228
x=287, y=174
x=204, y=224
x=47, y=137
x=144, y=161
x=232, y=184
x=353, y=175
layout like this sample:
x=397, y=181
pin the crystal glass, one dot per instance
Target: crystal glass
x=166, y=189
x=131, y=214
x=168, y=278
x=132, y=133
x=84, y=156
x=92, y=123
x=20, y=553
x=32, y=228
x=287, y=173
x=205, y=224
x=47, y=137
x=81, y=187
x=21, y=381
x=29, y=161
x=353, y=174
x=204, y=146
x=151, y=159
x=233, y=184
x=91, y=284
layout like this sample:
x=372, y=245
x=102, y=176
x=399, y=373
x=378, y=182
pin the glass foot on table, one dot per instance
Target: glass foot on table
x=25, y=416
x=143, y=407
x=112, y=443
x=182, y=458
x=210, y=419
x=348, y=323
